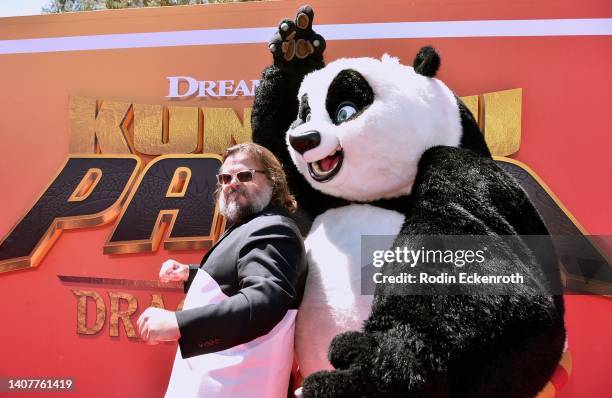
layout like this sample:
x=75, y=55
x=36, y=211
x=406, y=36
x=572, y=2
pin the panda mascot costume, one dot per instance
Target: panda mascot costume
x=373, y=147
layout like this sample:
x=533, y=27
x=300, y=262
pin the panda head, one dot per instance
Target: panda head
x=364, y=123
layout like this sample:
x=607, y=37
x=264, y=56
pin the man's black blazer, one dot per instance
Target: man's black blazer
x=261, y=265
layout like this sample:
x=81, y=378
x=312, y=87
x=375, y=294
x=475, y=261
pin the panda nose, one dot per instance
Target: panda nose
x=305, y=141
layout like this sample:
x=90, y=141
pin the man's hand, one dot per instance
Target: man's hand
x=173, y=271
x=156, y=325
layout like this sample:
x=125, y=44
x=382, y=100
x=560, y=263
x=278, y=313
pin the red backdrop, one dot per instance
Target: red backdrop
x=566, y=139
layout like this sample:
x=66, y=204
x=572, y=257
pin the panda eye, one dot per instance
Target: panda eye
x=307, y=119
x=344, y=112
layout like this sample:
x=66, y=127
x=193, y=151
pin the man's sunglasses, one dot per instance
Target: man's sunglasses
x=242, y=176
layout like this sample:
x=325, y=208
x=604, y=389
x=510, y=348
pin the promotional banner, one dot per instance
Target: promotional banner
x=112, y=126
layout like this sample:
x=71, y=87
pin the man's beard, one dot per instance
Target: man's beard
x=235, y=212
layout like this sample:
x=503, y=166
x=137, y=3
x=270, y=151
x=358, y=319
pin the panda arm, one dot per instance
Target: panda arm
x=276, y=107
x=296, y=51
x=471, y=343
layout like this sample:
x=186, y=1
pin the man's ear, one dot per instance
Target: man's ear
x=426, y=62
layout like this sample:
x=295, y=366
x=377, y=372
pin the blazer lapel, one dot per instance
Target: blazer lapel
x=227, y=231
x=230, y=229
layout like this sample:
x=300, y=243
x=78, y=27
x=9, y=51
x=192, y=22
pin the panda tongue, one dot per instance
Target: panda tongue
x=328, y=163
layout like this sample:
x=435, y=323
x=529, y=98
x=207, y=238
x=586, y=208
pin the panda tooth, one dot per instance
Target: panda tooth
x=336, y=149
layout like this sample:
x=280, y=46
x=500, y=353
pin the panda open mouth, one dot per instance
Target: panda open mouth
x=325, y=169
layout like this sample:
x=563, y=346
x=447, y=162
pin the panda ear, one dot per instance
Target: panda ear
x=426, y=62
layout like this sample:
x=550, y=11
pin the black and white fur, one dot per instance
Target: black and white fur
x=398, y=115
x=398, y=126
x=374, y=147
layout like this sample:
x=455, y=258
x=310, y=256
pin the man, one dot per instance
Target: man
x=235, y=331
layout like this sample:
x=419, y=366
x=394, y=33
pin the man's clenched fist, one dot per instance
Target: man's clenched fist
x=156, y=325
x=173, y=271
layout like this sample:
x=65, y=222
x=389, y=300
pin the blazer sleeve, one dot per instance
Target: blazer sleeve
x=271, y=264
x=193, y=270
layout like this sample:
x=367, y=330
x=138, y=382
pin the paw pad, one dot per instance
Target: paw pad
x=295, y=39
x=302, y=21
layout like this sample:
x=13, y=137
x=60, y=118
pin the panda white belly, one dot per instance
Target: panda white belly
x=332, y=301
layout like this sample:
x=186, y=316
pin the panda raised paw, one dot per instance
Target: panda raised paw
x=295, y=40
